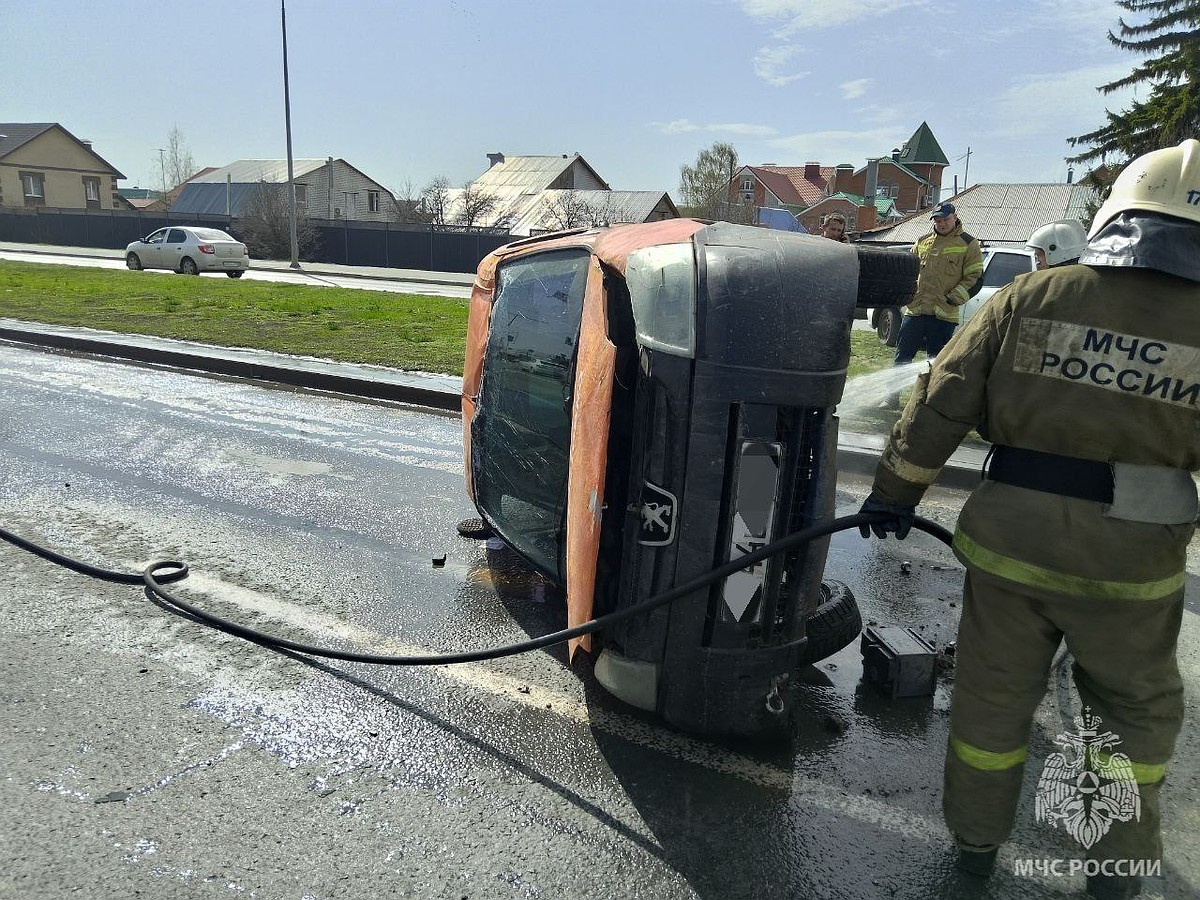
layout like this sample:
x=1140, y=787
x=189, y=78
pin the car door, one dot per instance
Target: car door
x=150, y=251
x=174, y=248
x=1000, y=267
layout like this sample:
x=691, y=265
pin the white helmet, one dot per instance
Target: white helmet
x=1061, y=241
x=1163, y=181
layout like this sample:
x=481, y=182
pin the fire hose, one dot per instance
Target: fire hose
x=164, y=572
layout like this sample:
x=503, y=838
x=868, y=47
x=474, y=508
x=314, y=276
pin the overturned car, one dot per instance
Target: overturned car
x=645, y=402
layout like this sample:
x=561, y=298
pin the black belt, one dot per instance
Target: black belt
x=1069, y=476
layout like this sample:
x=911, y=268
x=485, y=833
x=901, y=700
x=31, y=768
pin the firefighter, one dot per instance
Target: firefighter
x=1057, y=243
x=1086, y=380
x=951, y=263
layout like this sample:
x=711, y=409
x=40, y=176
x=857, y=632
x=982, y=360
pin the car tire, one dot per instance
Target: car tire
x=886, y=277
x=187, y=266
x=237, y=274
x=887, y=325
x=834, y=624
x=133, y=262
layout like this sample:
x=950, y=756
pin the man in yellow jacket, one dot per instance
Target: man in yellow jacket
x=951, y=263
x=1086, y=379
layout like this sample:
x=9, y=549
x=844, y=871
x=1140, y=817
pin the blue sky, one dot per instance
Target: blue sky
x=407, y=91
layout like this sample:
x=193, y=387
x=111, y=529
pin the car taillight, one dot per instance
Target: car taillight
x=245, y=250
x=206, y=248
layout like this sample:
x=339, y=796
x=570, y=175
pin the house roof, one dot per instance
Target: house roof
x=252, y=171
x=17, y=134
x=529, y=174
x=809, y=190
x=923, y=147
x=884, y=206
x=517, y=184
x=625, y=206
x=778, y=184
x=1005, y=214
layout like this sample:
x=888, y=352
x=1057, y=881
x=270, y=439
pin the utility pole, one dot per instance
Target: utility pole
x=287, y=115
x=967, y=168
x=162, y=164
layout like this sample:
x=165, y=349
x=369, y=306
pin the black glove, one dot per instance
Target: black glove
x=900, y=523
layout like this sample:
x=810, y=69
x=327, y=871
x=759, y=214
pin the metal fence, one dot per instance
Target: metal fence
x=341, y=241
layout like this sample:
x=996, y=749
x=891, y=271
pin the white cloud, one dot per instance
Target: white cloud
x=676, y=126
x=744, y=129
x=811, y=15
x=1058, y=103
x=852, y=90
x=770, y=62
x=685, y=126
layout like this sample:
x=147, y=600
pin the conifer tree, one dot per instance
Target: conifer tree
x=1170, y=39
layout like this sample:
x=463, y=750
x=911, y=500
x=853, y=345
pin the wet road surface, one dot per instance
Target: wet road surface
x=146, y=756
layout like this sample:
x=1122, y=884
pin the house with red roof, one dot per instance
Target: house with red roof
x=885, y=189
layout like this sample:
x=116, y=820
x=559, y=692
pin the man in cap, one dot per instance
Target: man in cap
x=1085, y=379
x=951, y=263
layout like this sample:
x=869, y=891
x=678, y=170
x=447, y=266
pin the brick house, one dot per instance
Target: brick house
x=43, y=164
x=911, y=176
x=907, y=181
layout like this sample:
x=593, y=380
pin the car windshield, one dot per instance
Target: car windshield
x=211, y=234
x=522, y=431
x=1004, y=267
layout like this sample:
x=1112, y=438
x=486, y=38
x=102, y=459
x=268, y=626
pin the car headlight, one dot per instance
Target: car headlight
x=662, y=290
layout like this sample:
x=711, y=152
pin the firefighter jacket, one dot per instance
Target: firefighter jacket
x=950, y=266
x=1092, y=363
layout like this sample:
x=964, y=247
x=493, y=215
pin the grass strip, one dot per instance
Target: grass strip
x=404, y=331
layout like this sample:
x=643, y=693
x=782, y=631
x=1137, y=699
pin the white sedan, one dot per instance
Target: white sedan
x=190, y=250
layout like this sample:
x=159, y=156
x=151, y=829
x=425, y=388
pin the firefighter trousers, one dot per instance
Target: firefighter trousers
x=1125, y=671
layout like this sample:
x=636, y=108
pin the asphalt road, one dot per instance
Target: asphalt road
x=146, y=756
x=287, y=276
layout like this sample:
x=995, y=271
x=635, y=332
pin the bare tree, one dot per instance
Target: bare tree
x=435, y=200
x=568, y=209
x=264, y=225
x=474, y=205
x=409, y=207
x=611, y=212
x=178, y=163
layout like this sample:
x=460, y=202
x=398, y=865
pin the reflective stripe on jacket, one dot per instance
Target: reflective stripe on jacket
x=950, y=266
x=1095, y=363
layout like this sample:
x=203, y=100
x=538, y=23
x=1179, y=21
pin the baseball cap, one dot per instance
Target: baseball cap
x=942, y=210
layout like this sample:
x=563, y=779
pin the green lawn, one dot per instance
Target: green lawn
x=405, y=331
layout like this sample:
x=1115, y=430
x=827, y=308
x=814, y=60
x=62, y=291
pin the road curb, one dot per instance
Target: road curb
x=325, y=381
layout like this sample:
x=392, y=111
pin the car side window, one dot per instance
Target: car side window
x=177, y=236
x=157, y=237
x=521, y=433
x=1004, y=267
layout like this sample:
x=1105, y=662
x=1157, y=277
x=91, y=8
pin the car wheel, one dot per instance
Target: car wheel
x=237, y=274
x=133, y=262
x=187, y=266
x=886, y=277
x=887, y=325
x=834, y=624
